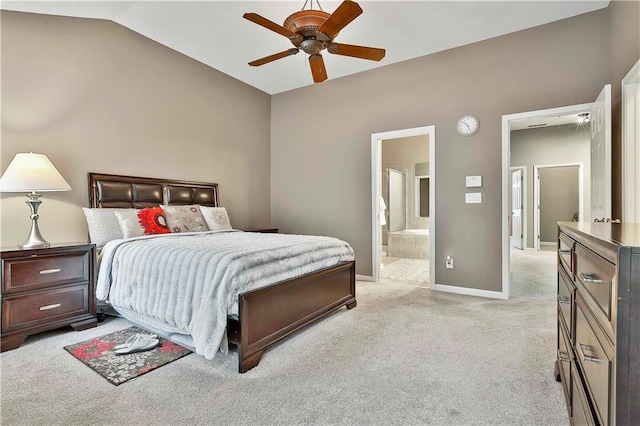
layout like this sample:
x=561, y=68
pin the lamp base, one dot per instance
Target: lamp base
x=35, y=240
x=34, y=245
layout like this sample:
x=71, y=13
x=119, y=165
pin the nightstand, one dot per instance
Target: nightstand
x=263, y=230
x=46, y=288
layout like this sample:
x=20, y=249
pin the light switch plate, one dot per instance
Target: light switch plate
x=474, y=181
x=473, y=197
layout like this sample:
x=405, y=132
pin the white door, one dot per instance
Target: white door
x=516, y=209
x=601, y=156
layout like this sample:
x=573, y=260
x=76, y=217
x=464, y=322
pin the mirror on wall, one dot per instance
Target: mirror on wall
x=422, y=196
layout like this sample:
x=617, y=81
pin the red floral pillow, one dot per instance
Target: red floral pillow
x=153, y=221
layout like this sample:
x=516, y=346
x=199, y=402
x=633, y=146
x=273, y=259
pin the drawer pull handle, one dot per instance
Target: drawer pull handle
x=47, y=307
x=585, y=278
x=565, y=251
x=564, y=300
x=590, y=358
x=50, y=271
x=586, y=347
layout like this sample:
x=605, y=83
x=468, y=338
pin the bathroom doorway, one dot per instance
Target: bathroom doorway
x=403, y=218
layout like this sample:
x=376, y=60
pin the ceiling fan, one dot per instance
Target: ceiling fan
x=314, y=30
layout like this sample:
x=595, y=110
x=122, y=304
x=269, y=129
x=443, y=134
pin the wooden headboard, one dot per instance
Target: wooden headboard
x=137, y=192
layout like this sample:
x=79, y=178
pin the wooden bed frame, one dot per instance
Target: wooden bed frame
x=267, y=314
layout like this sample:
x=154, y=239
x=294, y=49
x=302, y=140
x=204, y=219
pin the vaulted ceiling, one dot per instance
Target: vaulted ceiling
x=214, y=32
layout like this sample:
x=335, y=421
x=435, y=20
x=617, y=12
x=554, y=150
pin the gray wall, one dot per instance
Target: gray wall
x=321, y=183
x=95, y=96
x=550, y=145
x=559, y=197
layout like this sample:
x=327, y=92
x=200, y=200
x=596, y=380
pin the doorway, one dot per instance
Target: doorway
x=558, y=195
x=378, y=193
x=509, y=123
x=518, y=202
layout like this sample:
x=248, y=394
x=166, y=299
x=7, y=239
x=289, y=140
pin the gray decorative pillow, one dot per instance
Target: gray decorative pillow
x=103, y=225
x=216, y=218
x=129, y=223
x=184, y=219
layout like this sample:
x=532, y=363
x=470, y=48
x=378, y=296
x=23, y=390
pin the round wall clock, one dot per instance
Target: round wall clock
x=468, y=125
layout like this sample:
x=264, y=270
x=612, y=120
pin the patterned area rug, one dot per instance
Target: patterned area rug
x=98, y=355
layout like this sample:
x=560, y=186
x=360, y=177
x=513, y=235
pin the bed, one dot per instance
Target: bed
x=266, y=314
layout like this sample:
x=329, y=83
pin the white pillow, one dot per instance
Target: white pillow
x=184, y=219
x=216, y=217
x=103, y=225
x=129, y=223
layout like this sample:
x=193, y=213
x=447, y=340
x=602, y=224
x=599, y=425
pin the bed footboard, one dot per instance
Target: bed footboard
x=271, y=313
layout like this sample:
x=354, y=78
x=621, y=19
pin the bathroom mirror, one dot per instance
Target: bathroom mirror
x=422, y=196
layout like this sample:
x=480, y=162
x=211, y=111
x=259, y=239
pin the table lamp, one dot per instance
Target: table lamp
x=33, y=173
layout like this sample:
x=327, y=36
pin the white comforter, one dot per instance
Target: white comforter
x=189, y=283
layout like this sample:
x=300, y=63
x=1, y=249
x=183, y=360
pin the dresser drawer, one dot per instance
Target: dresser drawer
x=28, y=273
x=565, y=300
x=592, y=356
x=42, y=307
x=565, y=253
x=594, y=276
x=580, y=408
x=565, y=359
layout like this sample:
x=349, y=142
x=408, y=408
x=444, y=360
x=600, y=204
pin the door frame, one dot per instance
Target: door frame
x=376, y=192
x=523, y=189
x=631, y=145
x=536, y=196
x=507, y=120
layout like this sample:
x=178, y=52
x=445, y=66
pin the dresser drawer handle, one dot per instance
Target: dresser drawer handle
x=565, y=251
x=586, y=347
x=50, y=271
x=564, y=300
x=586, y=278
x=590, y=358
x=47, y=307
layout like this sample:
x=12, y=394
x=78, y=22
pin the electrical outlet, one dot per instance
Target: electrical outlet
x=449, y=262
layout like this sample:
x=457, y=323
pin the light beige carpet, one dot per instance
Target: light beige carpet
x=405, y=356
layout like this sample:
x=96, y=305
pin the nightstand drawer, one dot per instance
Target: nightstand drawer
x=32, y=309
x=24, y=274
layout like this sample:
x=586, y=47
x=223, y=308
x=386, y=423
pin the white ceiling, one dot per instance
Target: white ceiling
x=214, y=32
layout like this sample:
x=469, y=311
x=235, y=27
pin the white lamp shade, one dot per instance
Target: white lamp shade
x=30, y=172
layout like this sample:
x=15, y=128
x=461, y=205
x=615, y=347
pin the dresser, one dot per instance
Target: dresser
x=46, y=288
x=598, y=351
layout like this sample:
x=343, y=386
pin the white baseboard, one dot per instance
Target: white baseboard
x=469, y=291
x=364, y=278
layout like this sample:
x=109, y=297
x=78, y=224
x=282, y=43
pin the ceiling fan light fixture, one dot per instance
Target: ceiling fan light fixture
x=313, y=31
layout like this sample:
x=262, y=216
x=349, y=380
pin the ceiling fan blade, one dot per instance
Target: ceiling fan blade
x=362, y=52
x=317, y=68
x=273, y=57
x=345, y=13
x=255, y=18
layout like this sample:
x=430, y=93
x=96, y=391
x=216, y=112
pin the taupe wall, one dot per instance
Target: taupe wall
x=550, y=145
x=321, y=176
x=559, y=199
x=624, y=45
x=95, y=96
